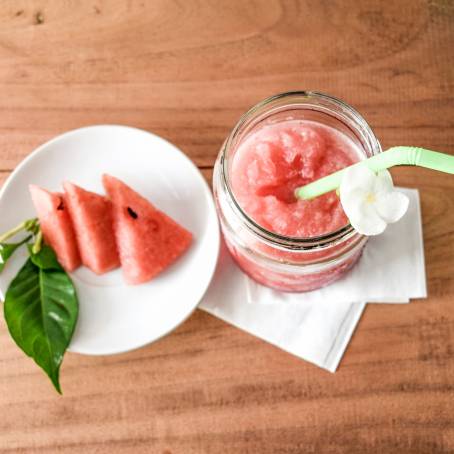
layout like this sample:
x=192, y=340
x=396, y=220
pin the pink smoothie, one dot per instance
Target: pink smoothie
x=274, y=160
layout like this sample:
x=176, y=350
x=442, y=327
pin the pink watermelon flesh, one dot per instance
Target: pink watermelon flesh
x=56, y=226
x=148, y=240
x=91, y=215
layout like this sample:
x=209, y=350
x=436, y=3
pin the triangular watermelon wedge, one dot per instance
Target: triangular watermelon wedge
x=56, y=226
x=148, y=240
x=91, y=215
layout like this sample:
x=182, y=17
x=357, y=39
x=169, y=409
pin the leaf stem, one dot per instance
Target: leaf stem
x=12, y=232
x=28, y=225
x=32, y=225
x=38, y=242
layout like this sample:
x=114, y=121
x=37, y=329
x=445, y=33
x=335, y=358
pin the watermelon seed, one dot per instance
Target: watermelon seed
x=132, y=213
x=61, y=206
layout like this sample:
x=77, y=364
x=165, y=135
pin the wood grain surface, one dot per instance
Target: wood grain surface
x=187, y=69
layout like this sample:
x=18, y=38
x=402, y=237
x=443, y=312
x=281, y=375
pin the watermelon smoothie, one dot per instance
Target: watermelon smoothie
x=284, y=142
x=278, y=158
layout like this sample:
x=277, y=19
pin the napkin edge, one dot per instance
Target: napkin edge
x=343, y=338
x=422, y=256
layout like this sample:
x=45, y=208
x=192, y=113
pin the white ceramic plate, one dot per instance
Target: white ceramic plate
x=114, y=317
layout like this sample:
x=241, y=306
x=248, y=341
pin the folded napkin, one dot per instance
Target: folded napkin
x=317, y=325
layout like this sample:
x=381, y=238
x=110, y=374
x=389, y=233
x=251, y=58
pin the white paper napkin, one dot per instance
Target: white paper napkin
x=317, y=326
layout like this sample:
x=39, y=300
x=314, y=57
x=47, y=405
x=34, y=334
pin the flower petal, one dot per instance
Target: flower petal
x=383, y=182
x=362, y=214
x=358, y=176
x=391, y=206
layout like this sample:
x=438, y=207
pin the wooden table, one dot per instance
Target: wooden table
x=187, y=70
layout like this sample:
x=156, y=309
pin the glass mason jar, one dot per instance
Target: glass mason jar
x=289, y=263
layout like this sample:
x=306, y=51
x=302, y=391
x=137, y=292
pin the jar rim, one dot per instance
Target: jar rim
x=288, y=242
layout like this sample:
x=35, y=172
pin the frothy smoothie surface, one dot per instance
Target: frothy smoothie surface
x=273, y=161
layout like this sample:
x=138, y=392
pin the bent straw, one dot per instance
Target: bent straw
x=395, y=156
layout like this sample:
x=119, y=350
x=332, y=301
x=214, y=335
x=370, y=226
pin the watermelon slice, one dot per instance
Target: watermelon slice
x=148, y=240
x=91, y=215
x=56, y=226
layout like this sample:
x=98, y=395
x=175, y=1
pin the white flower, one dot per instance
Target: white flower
x=370, y=200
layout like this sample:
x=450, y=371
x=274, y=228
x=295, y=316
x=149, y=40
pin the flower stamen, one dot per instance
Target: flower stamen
x=370, y=198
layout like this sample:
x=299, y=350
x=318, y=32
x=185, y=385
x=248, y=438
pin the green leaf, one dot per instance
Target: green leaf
x=45, y=258
x=7, y=250
x=41, y=310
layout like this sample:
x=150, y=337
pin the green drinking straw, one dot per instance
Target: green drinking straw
x=395, y=156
